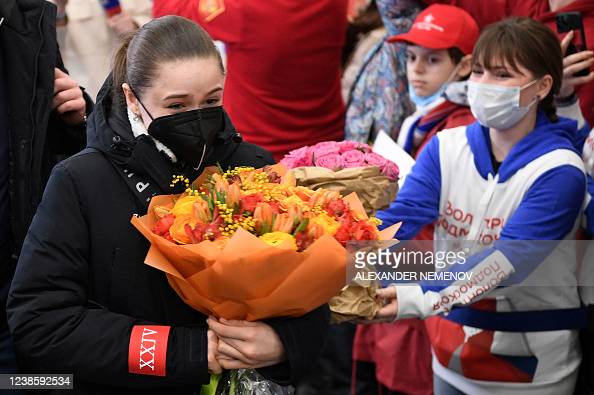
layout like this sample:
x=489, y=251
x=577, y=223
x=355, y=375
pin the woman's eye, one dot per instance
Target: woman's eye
x=503, y=75
x=477, y=71
x=410, y=57
x=434, y=60
x=176, y=106
x=212, y=101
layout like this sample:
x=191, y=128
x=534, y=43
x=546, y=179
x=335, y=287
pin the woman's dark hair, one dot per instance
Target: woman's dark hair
x=164, y=39
x=525, y=42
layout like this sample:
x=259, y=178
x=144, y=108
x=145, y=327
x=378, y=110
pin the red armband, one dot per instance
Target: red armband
x=147, y=353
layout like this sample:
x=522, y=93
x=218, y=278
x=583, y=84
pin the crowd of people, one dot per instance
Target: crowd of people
x=494, y=100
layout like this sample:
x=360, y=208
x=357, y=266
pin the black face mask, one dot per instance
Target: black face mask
x=188, y=134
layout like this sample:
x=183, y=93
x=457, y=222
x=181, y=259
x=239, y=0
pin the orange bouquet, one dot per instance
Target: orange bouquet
x=249, y=244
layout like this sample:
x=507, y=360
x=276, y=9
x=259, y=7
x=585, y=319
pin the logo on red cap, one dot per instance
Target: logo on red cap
x=427, y=24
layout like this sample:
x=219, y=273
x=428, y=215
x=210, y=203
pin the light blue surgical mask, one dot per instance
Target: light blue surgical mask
x=424, y=101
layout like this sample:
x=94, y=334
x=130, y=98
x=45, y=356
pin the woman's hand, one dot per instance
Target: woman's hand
x=246, y=345
x=213, y=345
x=573, y=64
x=389, y=301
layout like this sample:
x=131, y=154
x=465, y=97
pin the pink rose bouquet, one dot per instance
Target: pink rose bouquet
x=336, y=156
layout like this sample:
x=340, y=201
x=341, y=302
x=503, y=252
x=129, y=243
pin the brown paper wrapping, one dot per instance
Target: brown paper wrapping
x=375, y=190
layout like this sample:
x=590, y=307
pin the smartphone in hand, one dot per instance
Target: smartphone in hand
x=572, y=21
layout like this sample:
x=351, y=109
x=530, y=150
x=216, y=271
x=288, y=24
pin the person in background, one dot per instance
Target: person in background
x=439, y=50
x=378, y=96
x=514, y=175
x=282, y=89
x=42, y=120
x=364, y=33
x=88, y=35
x=488, y=11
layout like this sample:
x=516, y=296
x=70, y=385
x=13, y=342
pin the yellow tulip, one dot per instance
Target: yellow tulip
x=184, y=205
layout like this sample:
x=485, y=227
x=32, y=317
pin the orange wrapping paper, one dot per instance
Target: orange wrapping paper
x=247, y=278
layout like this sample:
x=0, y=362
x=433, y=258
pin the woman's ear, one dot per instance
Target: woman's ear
x=464, y=68
x=131, y=100
x=544, y=85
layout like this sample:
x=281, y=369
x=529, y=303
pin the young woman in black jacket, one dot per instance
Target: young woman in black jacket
x=82, y=300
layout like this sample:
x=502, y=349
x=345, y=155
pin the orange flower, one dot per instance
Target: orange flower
x=178, y=231
x=326, y=222
x=263, y=217
x=200, y=211
x=283, y=223
x=162, y=211
x=233, y=195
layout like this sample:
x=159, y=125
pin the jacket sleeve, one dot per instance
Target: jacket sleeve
x=223, y=21
x=56, y=329
x=417, y=203
x=546, y=213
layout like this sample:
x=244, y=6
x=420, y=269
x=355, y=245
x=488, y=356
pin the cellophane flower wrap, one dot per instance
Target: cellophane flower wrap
x=249, y=244
x=347, y=167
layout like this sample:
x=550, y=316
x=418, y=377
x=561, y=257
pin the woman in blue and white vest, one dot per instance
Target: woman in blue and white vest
x=505, y=184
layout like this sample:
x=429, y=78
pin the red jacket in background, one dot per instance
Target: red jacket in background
x=489, y=11
x=283, y=66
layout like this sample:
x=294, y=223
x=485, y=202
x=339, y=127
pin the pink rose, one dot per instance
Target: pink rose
x=374, y=159
x=325, y=148
x=348, y=145
x=353, y=158
x=298, y=157
x=330, y=161
x=390, y=170
x=290, y=163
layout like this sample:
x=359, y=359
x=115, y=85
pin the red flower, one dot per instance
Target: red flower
x=303, y=240
x=337, y=208
x=363, y=230
x=249, y=202
x=204, y=231
x=162, y=226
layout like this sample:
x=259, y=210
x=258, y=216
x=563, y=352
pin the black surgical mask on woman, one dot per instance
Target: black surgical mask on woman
x=187, y=134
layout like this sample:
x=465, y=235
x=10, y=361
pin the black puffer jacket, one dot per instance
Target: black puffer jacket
x=81, y=284
x=38, y=138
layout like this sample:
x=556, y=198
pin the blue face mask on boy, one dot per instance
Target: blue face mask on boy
x=424, y=101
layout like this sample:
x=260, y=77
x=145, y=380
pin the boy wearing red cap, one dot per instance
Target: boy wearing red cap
x=439, y=48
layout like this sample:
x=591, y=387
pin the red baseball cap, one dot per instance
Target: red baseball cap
x=442, y=27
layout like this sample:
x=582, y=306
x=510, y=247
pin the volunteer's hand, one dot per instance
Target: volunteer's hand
x=389, y=311
x=122, y=23
x=213, y=345
x=68, y=99
x=246, y=345
x=573, y=64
